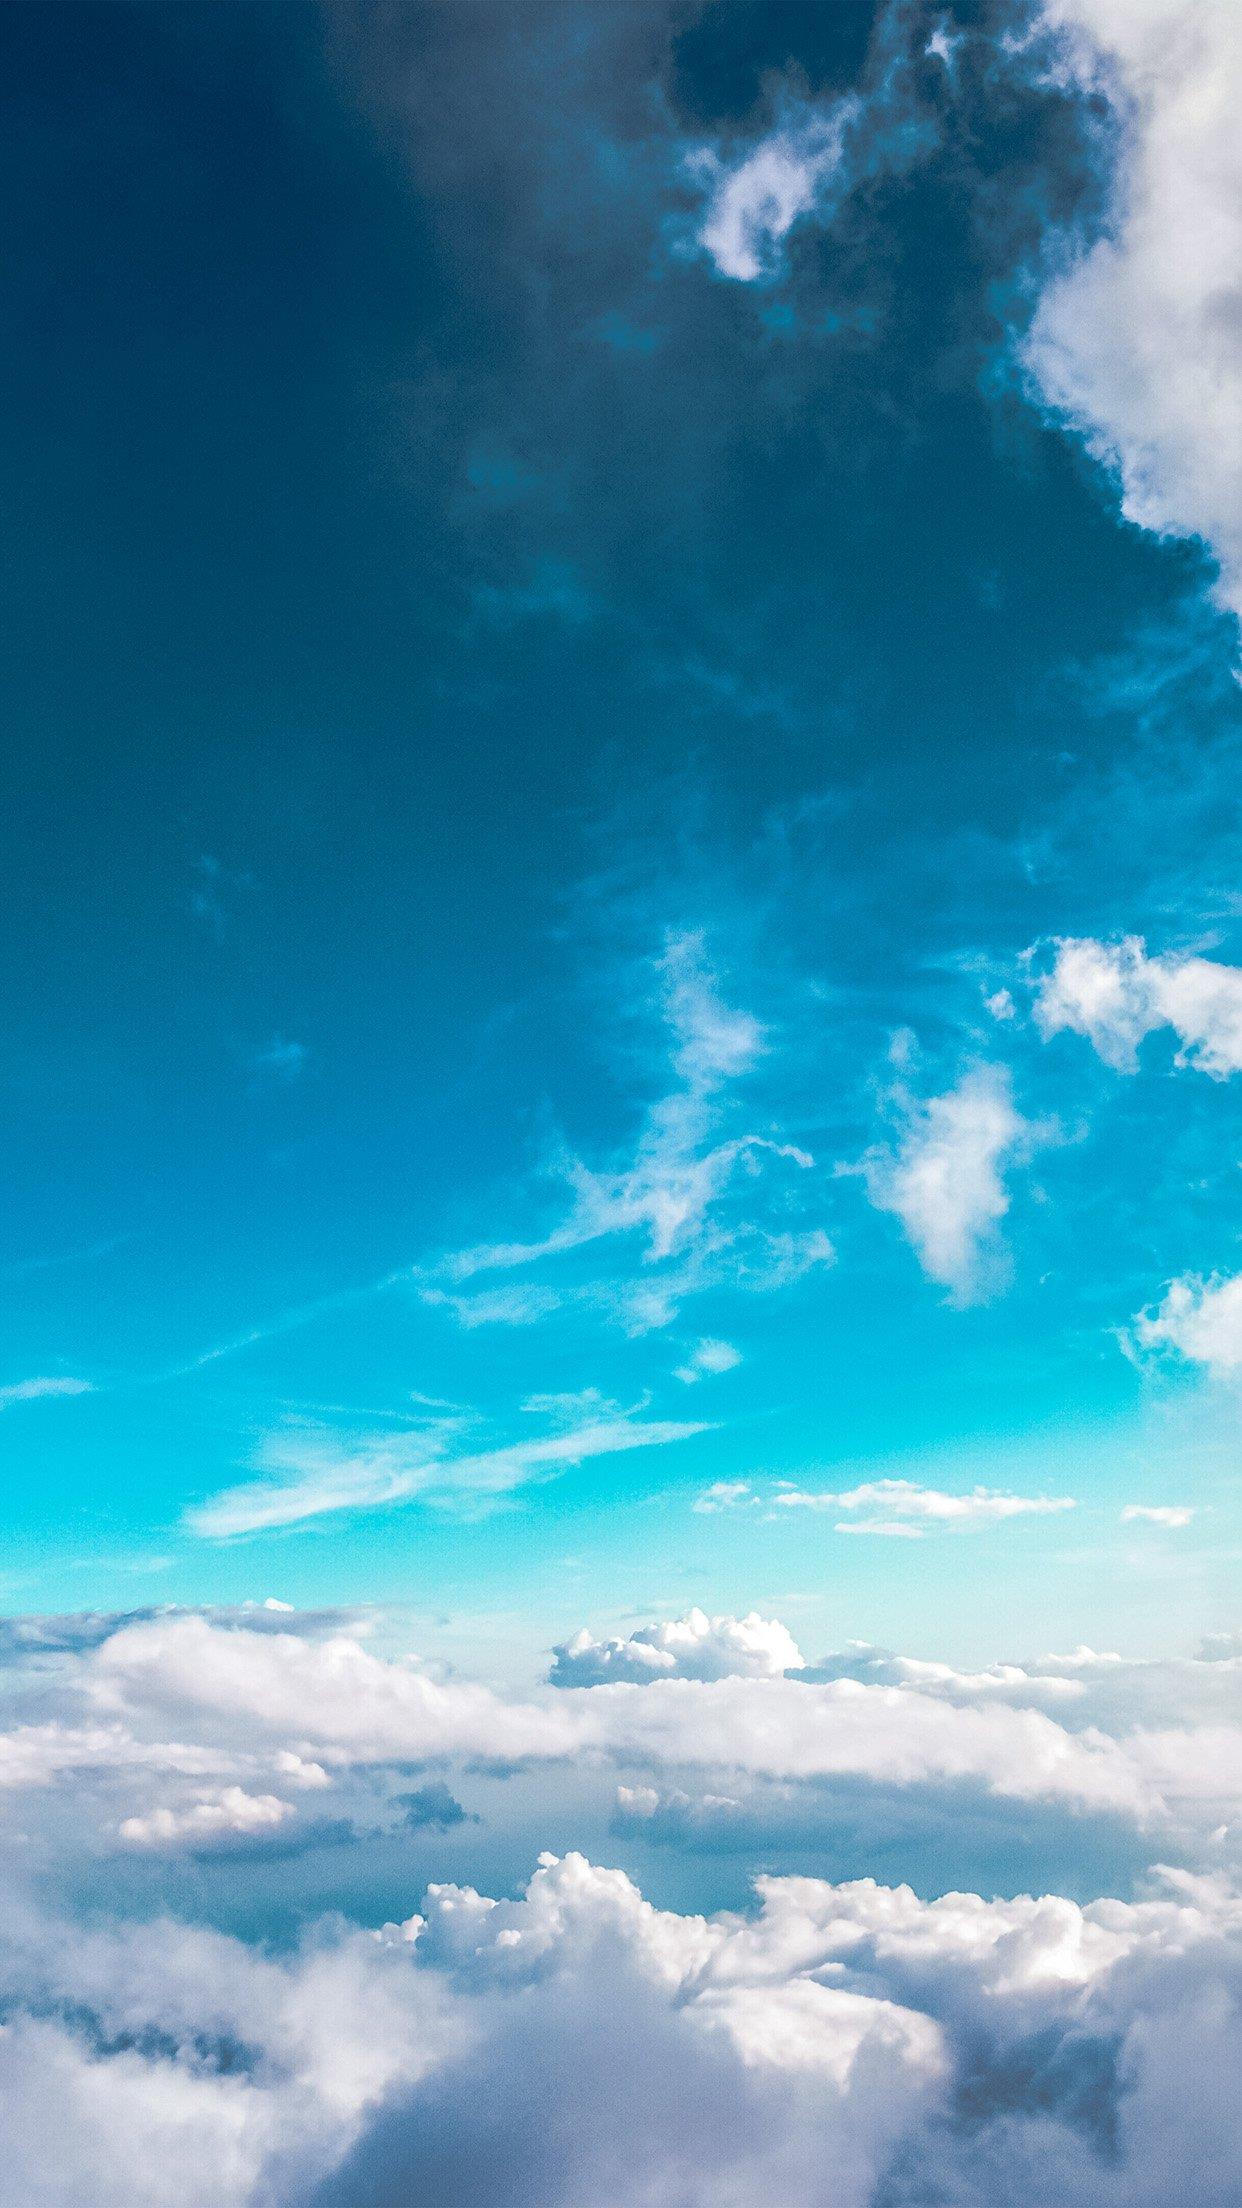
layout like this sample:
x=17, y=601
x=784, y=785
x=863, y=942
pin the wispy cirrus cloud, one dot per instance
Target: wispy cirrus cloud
x=43, y=1387
x=313, y=1472
x=673, y=1197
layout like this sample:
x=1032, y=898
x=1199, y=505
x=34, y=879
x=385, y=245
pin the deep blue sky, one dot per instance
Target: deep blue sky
x=432, y=589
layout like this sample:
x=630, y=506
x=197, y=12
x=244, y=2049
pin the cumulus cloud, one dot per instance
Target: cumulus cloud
x=244, y=1696
x=1137, y=340
x=1200, y=1320
x=1021, y=2049
x=1172, y=1515
x=1114, y=994
x=958, y=2049
x=693, y=1647
x=227, y=1815
x=945, y=1179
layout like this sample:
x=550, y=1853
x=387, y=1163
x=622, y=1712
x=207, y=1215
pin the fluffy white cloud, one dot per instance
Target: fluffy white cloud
x=245, y=1695
x=723, y=1495
x=576, y=2045
x=1201, y=1320
x=1172, y=1515
x=230, y=1814
x=693, y=1647
x=1137, y=342
x=946, y=1178
x=1114, y=994
x=1010, y=2050
x=753, y=202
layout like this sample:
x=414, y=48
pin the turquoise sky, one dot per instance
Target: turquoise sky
x=581, y=638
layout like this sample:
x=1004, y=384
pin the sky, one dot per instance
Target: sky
x=619, y=884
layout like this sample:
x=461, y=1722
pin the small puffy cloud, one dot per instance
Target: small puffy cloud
x=231, y=1814
x=1200, y=1320
x=945, y=1179
x=903, y=1508
x=1172, y=1515
x=1114, y=994
x=708, y=1357
x=433, y=1808
x=1136, y=343
x=722, y=1495
x=693, y=1647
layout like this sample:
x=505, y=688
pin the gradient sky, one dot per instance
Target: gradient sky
x=573, y=655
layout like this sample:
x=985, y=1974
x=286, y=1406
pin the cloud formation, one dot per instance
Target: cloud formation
x=693, y=1647
x=672, y=1194
x=1114, y=994
x=981, y=2050
x=904, y=1508
x=1200, y=1320
x=1136, y=343
x=957, y=2049
x=945, y=1179
x=814, y=156
x=315, y=1472
x=40, y=1387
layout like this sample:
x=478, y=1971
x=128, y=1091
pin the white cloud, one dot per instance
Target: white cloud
x=1137, y=342
x=753, y=204
x=281, y=1058
x=34, y=1390
x=316, y=1472
x=708, y=1357
x=340, y=1705
x=946, y=1179
x=693, y=1647
x=573, y=2043
x=672, y=1191
x=722, y=1495
x=1199, y=1319
x=815, y=155
x=1114, y=994
x=1172, y=1515
x=230, y=1814
x=898, y=1504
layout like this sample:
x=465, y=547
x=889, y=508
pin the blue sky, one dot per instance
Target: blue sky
x=621, y=1287
x=573, y=649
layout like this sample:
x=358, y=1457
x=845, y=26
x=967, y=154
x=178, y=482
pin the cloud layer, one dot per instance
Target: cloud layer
x=944, y=2047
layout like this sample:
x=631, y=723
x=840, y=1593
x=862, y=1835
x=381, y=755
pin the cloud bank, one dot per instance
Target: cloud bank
x=925, y=2047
